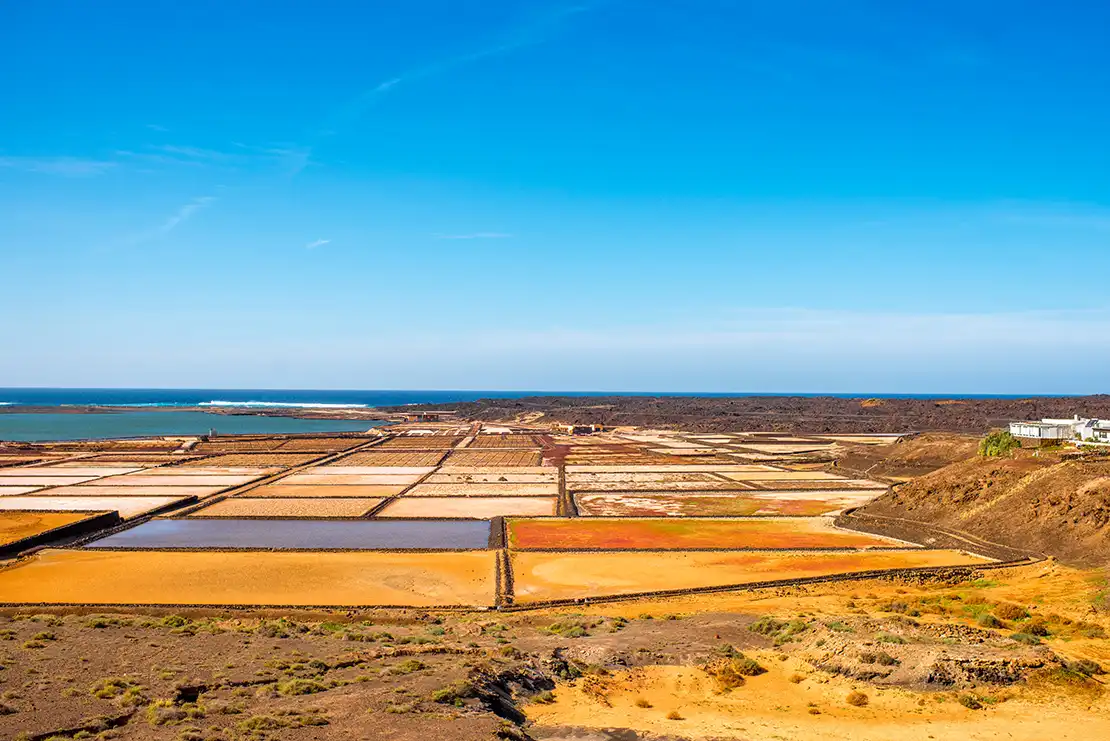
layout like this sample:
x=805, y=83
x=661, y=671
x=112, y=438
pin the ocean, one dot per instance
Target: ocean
x=262, y=398
x=152, y=409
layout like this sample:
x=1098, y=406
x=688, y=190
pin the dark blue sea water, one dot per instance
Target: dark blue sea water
x=307, y=397
x=145, y=421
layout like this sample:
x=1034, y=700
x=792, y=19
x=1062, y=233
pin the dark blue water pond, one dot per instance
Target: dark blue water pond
x=302, y=534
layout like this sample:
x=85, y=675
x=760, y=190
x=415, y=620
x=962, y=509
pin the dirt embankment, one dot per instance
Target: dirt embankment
x=1057, y=505
x=908, y=457
x=812, y=415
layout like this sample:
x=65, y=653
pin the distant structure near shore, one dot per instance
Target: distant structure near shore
x=579, y=429
x=425, y=416
x=1078, y=430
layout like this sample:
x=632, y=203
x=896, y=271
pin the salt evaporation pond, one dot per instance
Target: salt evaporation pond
x=302, y=534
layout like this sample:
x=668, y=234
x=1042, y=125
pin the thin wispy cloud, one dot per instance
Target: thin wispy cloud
x=317, y=243
x=531, y=33
x=156, y=127
x=1060, y=216
x=184, y=213
x=475, y=235
x=70, y=167
x=237, y=156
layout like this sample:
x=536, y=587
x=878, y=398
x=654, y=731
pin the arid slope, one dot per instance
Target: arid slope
x=1044, y=502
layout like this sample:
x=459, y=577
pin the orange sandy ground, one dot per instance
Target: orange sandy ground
x=551, y=576
x=251, y=578
x=322, y=490
x=288, y=507
x=19, y=525
x=770, y=706
x=673, y=533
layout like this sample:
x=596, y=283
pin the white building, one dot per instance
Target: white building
x=1061, y=430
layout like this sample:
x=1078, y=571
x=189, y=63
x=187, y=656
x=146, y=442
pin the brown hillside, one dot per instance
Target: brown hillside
x=1044, y=503
x=908, y=457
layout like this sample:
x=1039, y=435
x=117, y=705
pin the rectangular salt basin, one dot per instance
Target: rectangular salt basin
x=287, y=507
x=484, y=490
x=340, y=469
x=495, y=470
x=127, y=507
x=784, y=476
x=301, y=534
x=352, y=479
x=221, y=471
x=185, y=480
x=93, y=471
x=511, y=477
x=631, y=476
x=350, y=579
x=15, y=526
x=133, y=491
x=7, y=480
x=789, y=533
x=549, y=576
x=312, y=491
x=672, y=468
x=14, y=491
x=785, y=448
x=475, y=507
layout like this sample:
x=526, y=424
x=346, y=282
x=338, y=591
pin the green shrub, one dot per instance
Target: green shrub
x=889, y=638
x=857, y=699
x=880, y=657
x=1008, y=611
x=766, y=626
x=998, y=443
x=1025, y=638
x=1085, y=666
x=1036, y=627
x=408, y=666
x=300, y=687
x=988, y=620
x=111, y=687
x=571, y=628
x=454, y=693
x=970, y=702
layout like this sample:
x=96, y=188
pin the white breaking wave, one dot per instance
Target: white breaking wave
x=282, y=404
x=7, y=403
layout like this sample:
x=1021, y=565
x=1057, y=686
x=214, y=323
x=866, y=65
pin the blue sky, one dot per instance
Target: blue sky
x=610, y=195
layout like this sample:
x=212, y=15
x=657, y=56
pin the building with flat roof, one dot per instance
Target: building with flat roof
x=1077, y=429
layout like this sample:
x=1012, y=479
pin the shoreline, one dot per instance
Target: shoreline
x=362, y=413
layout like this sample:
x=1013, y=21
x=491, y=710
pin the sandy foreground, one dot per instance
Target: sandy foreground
x=771, y=706
x=250, y=578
